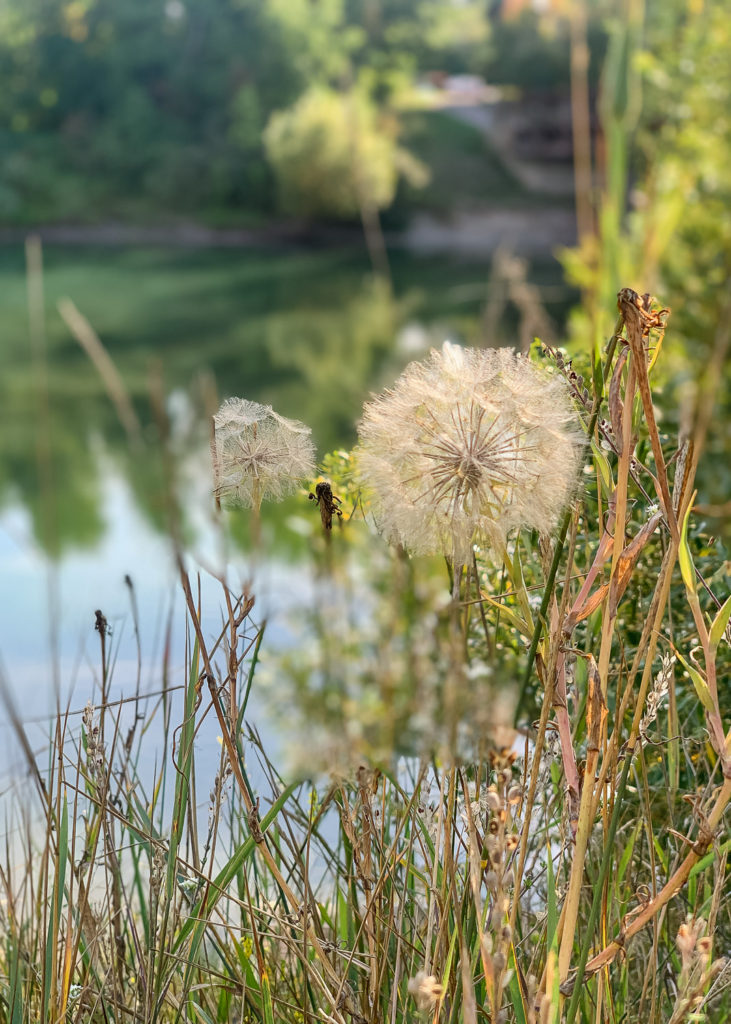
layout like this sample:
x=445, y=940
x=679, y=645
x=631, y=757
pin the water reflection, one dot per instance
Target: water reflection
x=311, y=333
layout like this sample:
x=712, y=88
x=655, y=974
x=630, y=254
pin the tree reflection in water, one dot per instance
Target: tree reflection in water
x=310, y=332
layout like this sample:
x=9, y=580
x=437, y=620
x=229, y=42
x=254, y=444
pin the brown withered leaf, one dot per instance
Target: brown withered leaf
x=591, y=604
x=615, y=400
x=619, y=582
x=596, y=707
x=628, y=560
x=639, y=316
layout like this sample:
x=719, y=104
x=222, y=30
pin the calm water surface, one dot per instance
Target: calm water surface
x=80, y=508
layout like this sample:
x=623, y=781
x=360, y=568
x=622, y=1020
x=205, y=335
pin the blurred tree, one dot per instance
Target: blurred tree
x=422, y=36
x=664, y=164
x=532, y=51
x=332, y=154
x=109, y=108
x=139, y=100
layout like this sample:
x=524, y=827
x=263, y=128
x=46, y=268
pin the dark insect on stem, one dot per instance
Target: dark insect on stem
x=328, y=503
x=101, y=625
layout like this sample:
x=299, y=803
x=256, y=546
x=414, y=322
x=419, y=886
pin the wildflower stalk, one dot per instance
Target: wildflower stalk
x=672, y=886
x=542, y=612
x=561, y=537
x=331, y=977
x=597, y=741
x=255, y=514
x=649, y=637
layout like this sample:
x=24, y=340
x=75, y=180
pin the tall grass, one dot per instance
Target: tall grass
x=573, y=867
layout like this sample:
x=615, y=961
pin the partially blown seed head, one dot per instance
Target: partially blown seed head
x=466, y=446
x=258, y=454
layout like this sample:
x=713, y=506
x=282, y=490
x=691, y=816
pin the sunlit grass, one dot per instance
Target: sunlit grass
x=571, y=868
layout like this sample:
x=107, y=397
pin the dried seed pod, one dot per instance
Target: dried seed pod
x=258, y=454
x=493, y=801
x=466, y=446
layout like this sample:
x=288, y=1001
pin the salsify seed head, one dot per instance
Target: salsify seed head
x=467, y=446
x=258, y=454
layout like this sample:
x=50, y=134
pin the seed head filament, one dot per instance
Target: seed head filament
x=471, y=465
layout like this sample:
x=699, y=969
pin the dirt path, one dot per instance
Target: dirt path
x=524, y=232
x=496, y=124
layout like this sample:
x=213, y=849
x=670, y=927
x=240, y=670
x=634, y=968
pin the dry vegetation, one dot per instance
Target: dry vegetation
x=570, y=865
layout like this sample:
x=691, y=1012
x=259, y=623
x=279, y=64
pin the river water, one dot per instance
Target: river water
x=81, y=508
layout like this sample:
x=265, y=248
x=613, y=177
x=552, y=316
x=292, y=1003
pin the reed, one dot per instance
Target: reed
x=475, y=850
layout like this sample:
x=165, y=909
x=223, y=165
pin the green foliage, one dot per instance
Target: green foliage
x=663, y=221
x=113, y=108
x=333, y=156
x=309, y=332
x=532, y=51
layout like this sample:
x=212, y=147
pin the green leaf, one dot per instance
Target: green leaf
x=509, y=615
x=200, y=1013
x=687, y=569
x=519, y=584
x=719, y=623
x=516, y=994
x=705, y=862
x=552, y=919
x=701, y=686
x=597, y=374
x=627, y=852
x=603, y=466
x=266, y=992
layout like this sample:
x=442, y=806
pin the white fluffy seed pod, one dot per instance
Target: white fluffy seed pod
x=467, y=446
x=258, y=454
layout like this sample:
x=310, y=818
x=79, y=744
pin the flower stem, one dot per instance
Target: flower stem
x=561, y=539
x=558, y=551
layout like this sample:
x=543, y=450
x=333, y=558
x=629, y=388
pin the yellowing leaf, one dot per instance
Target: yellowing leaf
x=603, y=466
x=701, y=686
x=507, y=613
x=687, y=569
x=719, y=623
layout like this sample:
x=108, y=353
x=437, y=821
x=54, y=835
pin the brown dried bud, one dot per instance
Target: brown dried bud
x=491, y=880
x=493, y=801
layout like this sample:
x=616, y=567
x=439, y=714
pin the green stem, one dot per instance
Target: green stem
x=598, y=890
x=558, y=551
x=561, y=539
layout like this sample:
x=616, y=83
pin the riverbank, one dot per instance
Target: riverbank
x=478, y=232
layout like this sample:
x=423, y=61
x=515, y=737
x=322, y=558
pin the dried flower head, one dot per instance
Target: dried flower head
x=658, y=693
x=258, y=454
x=466, y=446
x=425, y=989
x=687, y=939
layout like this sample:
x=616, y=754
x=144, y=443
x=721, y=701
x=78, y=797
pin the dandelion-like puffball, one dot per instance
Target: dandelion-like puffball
x=258, y=454
x=466, y=446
